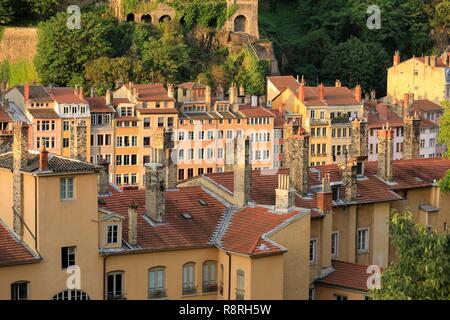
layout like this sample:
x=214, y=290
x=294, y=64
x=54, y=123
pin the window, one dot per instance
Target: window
x=147, y=123
x=240, y=285
x=313, y=251
x=65, y=142
x=190, y=173
x=19, y=290
x=180, y=174
x=189, y=279
x=334, y=244
x=362, y=243
x=335, y=191
x=146, y=142
x=339, y=297
x=181, y=136
x=156, y=283
x=112, y=235
x=67, y=257
x=114, y=285
x=66, y=125
x=71, y=295
x=160, y=122
x=66, y=188
x=312, y=294
x=210, y=276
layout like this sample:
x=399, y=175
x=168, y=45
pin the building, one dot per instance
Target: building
x=428, y=78
x=216, y=236
x=325, y=112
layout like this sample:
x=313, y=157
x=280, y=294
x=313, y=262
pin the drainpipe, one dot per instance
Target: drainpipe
x=35, y=214
x=229, y=275
x=104, y=276
x=356, y=234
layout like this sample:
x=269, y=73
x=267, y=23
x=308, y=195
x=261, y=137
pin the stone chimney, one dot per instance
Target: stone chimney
x=170, y=162
x=241, y=91
x=297, y=160
x=242, y=172
x=338, y=84
x=26, y=93
x=397, y=58
x=433, y=61
x=220, y=93
x=325, y=197
x=109, y=97
x=373, y=95
x=301, y=92
x=385, y=153
x=233, y=95
x=93, y=91
x=155, y=187
x=208, y=96
x=382, y=110
x=284, y=195
x=20, y=160
x=171, y=91
x=358, y=93
x=78, y=141
x=349, y=177
x=103, y=183
x=81, y=93
x=322, y=92
x=132, y=224
x=43, y=159
x=360, y=138
x=408, y=101
x=411, y=141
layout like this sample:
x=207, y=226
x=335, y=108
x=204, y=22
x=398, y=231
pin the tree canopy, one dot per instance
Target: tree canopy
x=422, y=271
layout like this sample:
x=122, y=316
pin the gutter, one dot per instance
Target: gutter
x=229, y=275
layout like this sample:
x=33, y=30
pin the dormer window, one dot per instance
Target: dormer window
x=112, y=231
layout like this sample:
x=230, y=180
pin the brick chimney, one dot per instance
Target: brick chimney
x=43, y=159
x=301, y=92
x=397, y=59
x=324, y=198
x=132, y=224
x=382, y=110
x=360, y=138
x=284, y=195
x=358, y=93
x=26, y=93
x=322, y=92
x=20, y=160
x=297, y=160
x=103, y=180
x=242, y=172
x=338, y=84
x=411, y=140
x=155, y=187
x=385, y=153
x=78, y=141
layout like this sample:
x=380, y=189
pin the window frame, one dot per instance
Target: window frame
x=366, y=240
x=15, y=292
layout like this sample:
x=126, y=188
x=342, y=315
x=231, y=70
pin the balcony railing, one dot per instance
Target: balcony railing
x=209, y=287
x=188, y=290
x=340, y=120
x=158, y=293
x=116, y=296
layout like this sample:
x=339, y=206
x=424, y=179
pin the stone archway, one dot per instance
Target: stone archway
x=146, y=18
x=165, y=18
x=240, y=24
x=130, y=17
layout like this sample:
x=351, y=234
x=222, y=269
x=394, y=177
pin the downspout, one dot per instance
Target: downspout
x=35, y=214
x=104, y=276
x=356, y=234
x=229, y=275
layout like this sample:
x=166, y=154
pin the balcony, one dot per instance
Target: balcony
x=319, y=122
x=158, y=293
x=209, y=287
x=116, y=296
x=340, y=120
x=189, y=290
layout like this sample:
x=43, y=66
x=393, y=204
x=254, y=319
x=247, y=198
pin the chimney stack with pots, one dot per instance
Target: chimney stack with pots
x=397, y=58
x=132, y=224
x=297, y=158
x=284, y=195
x=385, y=153
x=242, y=172
x=78, y=141
x=411, y=140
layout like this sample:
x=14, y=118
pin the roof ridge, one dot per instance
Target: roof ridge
x=222, y=226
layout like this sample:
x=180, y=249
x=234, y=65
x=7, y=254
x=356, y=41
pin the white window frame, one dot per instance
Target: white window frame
x=68, y=193
x=359, y=248
x=314, y=260
x=335, y=252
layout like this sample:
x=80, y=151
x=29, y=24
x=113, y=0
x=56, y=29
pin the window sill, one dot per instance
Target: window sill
x=189, y=295
x=210, y=293
x=363, y=252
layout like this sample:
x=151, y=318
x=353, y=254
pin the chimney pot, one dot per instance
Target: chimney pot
x=397, y=58
x=285, y=196
x=301, y=92
x=338, y=83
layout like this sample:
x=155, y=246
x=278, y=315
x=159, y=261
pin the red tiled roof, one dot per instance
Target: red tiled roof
x=12, y=250
x=425, y=106
x=117, y=101
x=283, y=82
x=249, y=111
x=65, y=95
x=176, y=232
x=375, y=121
x=425, y=123
x=347, y=275
x=158, y=110
x=4, y=117
x=192, y=85
x=98, y=105
x=246, y=230
x=279, y=120
x=151, y=92
x=46, y=113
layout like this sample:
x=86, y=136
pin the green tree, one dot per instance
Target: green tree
x=422, y=271
x=444, y=138
x=7, y=11
x=355, y=62
x=62, y=54
x=42, y=8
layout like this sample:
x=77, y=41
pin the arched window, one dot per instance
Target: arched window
x=240, y=24
x=71, y=295
x=189, y=278
x=156, y=283
x=240, y=285
x=19, y=290
x=165, y=18
x=130, y=17
x=114, y=285
x=210, y=276
x=146, y=18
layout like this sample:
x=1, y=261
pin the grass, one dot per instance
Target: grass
x=18, y=72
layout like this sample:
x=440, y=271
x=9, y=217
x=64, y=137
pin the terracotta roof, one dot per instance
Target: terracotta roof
x=38, y=93
x=177, y=232
x=158, y=110
x=279, y=121
x=347, y=275
x=192, y=85
x=122, y=119
x=151, y=92
x=4, y=116
x=246, y=230
x=56, y=163
x=46, y=113
x=425, y=106
x=12, y=250
x=65, y=95
x=425, y=123
x=98, y=105
x=249, y=111
x=376, y=121
x=117, y=101
x=283, y=82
